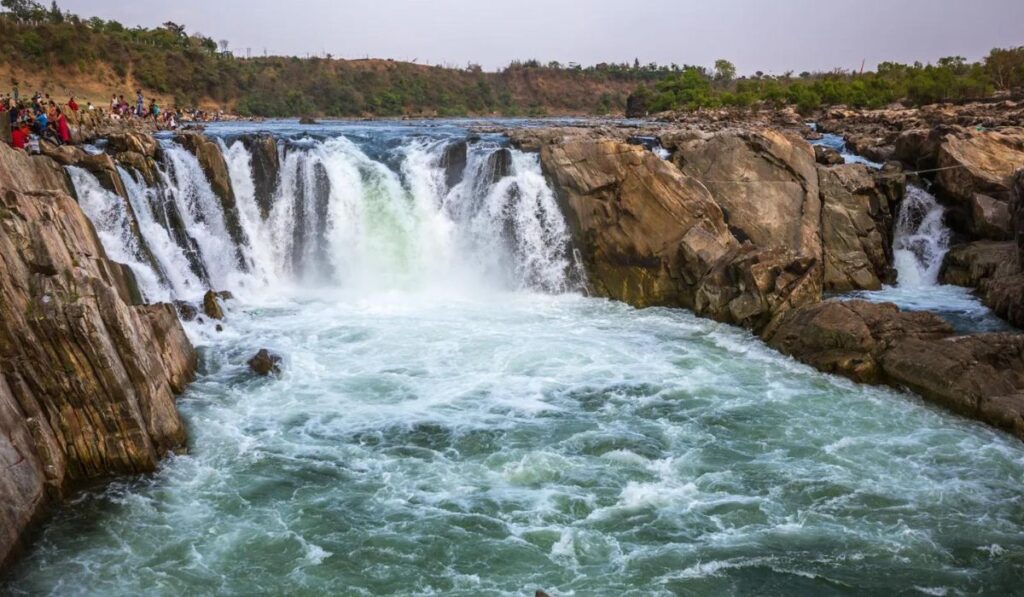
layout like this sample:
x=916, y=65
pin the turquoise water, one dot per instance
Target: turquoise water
x=482, y=443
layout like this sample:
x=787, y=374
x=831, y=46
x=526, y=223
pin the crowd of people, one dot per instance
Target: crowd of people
x=42, y=118
x=38, y=118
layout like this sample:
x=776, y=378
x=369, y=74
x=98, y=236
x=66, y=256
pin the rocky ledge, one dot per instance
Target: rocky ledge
x=745, y=226
x=87, y=373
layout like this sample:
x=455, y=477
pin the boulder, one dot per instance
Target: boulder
x=827, y=156
x=211, y=306
x=638, y=221
x=990, y=219
x=211, y=160
x=140, y=143
x=650, y=235
x=186, y=310
x=498, y=166
x=979, y=162
x=856, y=226
x=766, y=183
x=87, y=375
x=265, y=363
x=145, y=166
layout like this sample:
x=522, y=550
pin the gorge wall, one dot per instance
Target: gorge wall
x=87, y=372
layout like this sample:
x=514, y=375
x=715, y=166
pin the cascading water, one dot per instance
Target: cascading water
x=920, y=243
x=441, y=426
x=920, y=239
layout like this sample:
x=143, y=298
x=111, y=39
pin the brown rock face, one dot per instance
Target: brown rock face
x=856, y=224
x=827, y=156
x=651, y=235
x=979, y=163
x=766, y=183
x=992, y=269
x=211, y=306
x=216, y=169
x=979, y=376
x=849, y=337
x=86, y=375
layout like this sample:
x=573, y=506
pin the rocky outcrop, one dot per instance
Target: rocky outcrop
x=992, y=269
x=979, y=376
x=651, y=235
x=211, y=160
x=1017, y=214
x=849, y=338
x=211, y=306
x=766, y=183
x=87, y=374
x=826, y=156
x=856, y=226
x=979, y=163
x=266, y=169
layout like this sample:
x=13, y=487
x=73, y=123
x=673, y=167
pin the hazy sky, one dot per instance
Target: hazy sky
x=769, y=35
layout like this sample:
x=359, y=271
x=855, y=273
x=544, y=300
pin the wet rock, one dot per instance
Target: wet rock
x=140, y=143
x=265, y=363
x=219, y=328
x=88, y=377
x=186, y=310
x=453, y=160
x=143, y=165
x=849, y=337
x=211, y=306
x=827, y=156
x=308, y=120
x=499, y=165
x=991, y=268
x=216, y=169
x=856, y=224
x=266, y=169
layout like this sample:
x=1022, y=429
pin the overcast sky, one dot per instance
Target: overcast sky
x=769, y=35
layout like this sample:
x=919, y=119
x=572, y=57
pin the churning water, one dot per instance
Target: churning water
x=454, y=418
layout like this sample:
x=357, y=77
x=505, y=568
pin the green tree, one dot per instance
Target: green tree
x=725, y=71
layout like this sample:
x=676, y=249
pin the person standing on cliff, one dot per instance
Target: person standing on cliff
x=140, y=103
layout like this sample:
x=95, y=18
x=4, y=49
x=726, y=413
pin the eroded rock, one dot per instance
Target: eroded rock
x=265, y=363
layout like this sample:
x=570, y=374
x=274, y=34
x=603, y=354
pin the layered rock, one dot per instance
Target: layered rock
x=651, y=235
x=766, y=183
x=856, y=226
x=979, y=376
x=87, y=374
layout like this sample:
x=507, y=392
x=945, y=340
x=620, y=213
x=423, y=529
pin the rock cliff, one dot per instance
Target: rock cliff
x=87, y=373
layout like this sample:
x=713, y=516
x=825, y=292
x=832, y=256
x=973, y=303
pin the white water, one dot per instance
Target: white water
x=920, y=243
x=445, y=424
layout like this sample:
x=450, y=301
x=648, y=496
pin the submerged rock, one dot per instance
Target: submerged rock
x=265, y=363
x=186, y=310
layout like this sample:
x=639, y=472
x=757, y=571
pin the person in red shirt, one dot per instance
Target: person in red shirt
x=72, y=104
x=19, y=136
x=63, y=131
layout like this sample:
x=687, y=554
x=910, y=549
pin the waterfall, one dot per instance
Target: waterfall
x=920, y=240
x=403, y=219
x=113, y=219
